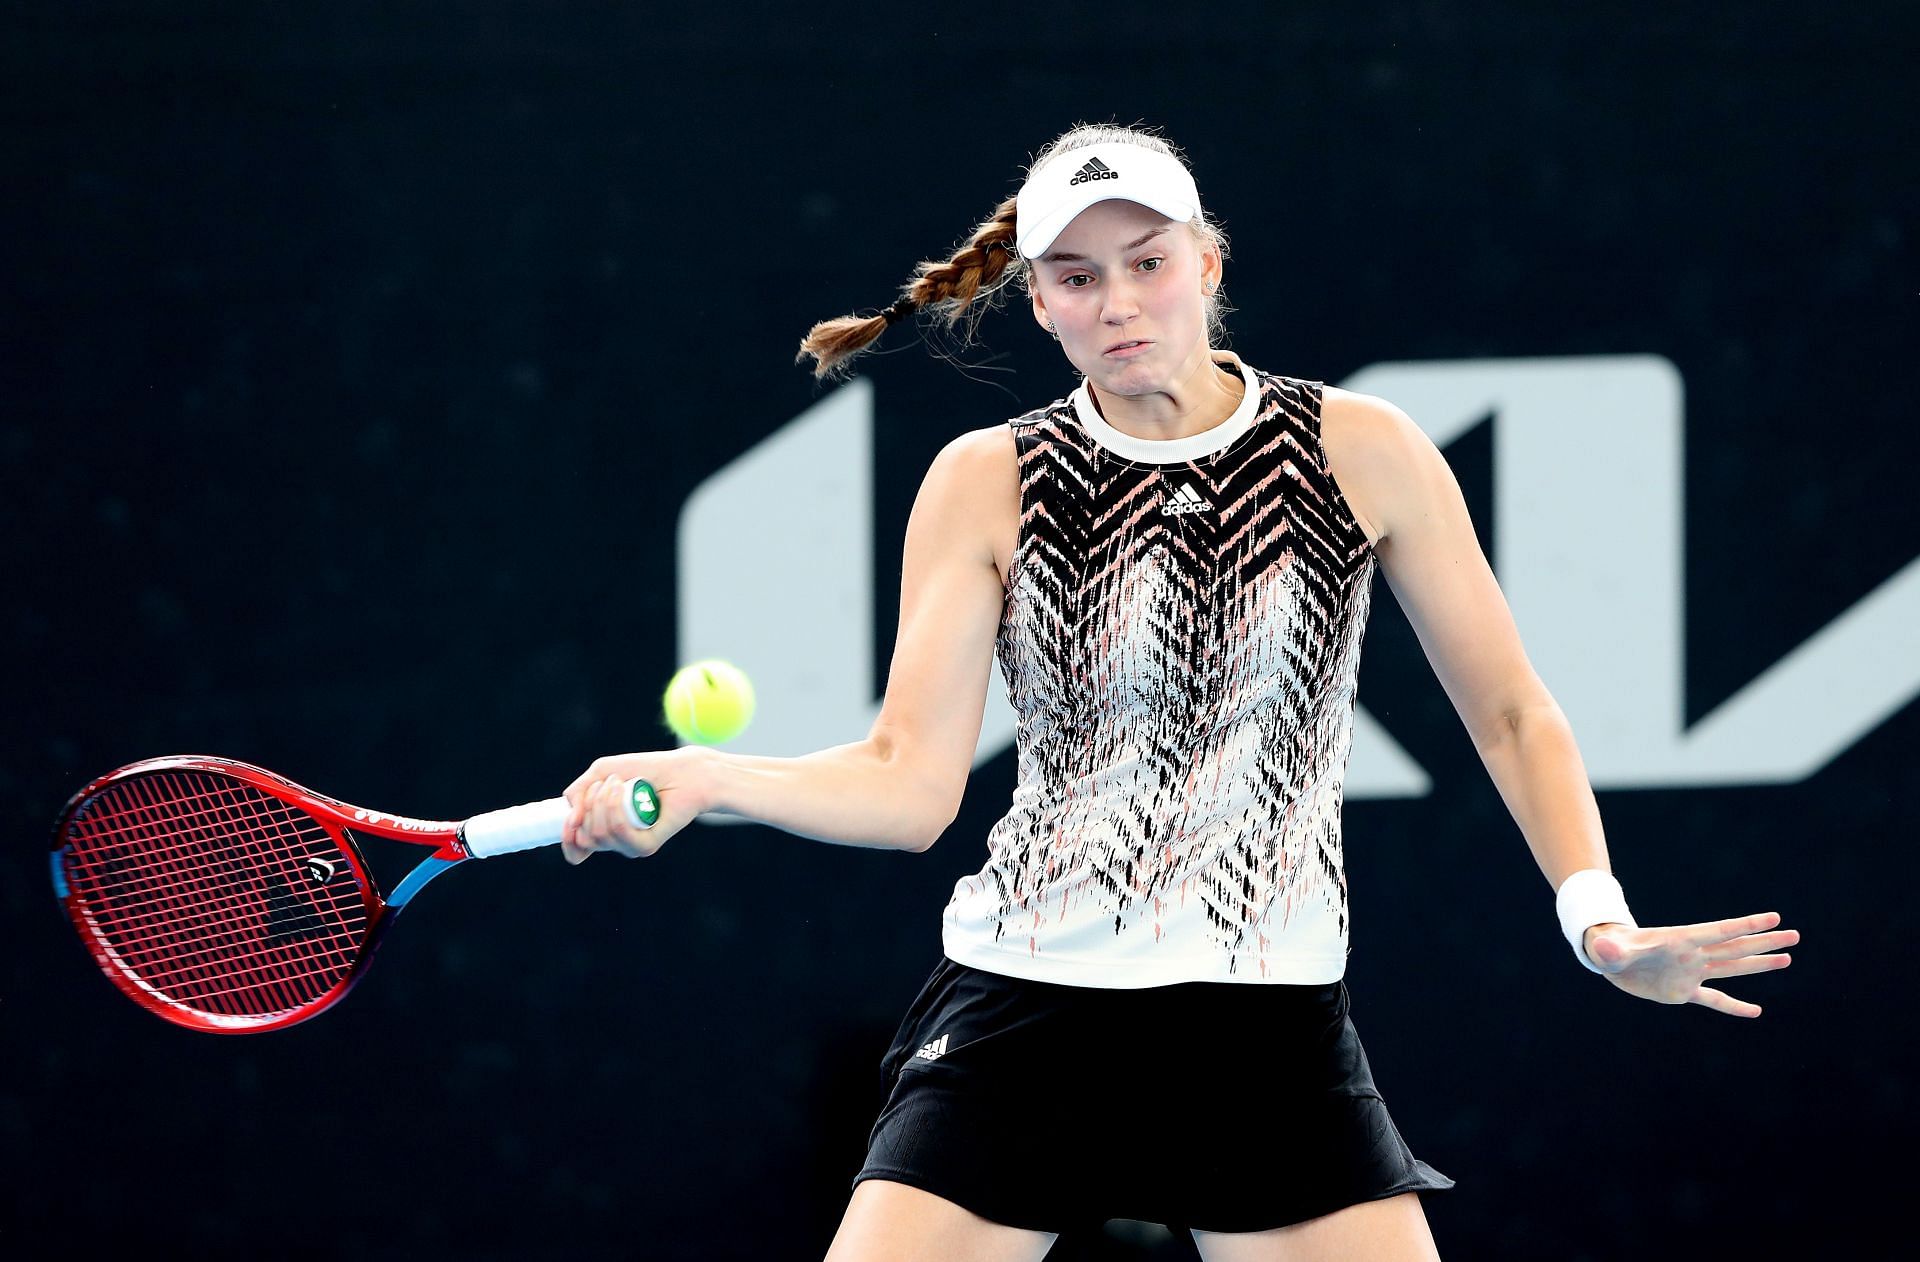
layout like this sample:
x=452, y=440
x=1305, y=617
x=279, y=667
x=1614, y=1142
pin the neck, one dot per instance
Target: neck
x=1199, y=397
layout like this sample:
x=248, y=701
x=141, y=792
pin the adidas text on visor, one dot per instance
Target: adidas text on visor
x=1068, y=183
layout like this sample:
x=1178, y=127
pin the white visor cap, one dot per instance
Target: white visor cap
x=1068, y=183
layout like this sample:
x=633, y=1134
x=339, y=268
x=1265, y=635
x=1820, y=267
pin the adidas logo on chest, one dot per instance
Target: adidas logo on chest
x=1185, y=500
x=934, y=1050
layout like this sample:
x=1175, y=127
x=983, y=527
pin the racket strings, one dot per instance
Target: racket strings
x=240, y=897
x=194, y=883
x=191, y=823
x=138, y=817
x=116, y=905
x=277, y=972
x=222, y=877
x=207, y=996
x=287, y=918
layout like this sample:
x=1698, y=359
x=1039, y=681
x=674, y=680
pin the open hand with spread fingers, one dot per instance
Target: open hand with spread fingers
x=1670, y=963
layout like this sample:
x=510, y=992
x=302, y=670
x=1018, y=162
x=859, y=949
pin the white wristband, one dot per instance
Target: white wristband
x=1590, y=897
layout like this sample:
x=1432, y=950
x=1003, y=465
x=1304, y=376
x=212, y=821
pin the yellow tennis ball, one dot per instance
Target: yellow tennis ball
x=709, y=703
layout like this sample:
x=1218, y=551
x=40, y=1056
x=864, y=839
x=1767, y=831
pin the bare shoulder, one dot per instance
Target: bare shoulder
x=981, y=467
x=986, y=452
x=1375, y=451
x=1361, y=424
x=979, y=477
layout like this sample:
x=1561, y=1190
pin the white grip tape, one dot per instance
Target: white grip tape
x=524, y=827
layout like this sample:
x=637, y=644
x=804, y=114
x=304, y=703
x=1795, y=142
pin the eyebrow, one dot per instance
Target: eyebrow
x=1081, y=258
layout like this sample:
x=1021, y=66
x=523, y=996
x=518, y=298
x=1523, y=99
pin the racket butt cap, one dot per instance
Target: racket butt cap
x=643, y=804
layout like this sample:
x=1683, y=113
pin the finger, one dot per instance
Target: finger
x=1606, y=951
x=1751, y=964
x=602, y=820
x=1719, y=1001
x=583, y=831
x=580, y=795
x=583, y=837
x=636, y=841
x=586, y=838
x=581, y=782
x=574, y=853
x=1752, y=944
x=1722, y=930
x=610, y=825
x=626, y=838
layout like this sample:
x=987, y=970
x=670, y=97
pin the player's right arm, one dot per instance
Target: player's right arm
x=901, y=786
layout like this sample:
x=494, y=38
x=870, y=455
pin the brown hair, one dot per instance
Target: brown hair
x=965, y=285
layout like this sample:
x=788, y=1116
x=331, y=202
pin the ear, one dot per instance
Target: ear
x=1040, y=310
x=1212, y=267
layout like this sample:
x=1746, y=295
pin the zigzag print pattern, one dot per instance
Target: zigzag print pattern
x=1184, y=683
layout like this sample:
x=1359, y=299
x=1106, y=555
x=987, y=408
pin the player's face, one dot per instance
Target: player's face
x=1124, y=287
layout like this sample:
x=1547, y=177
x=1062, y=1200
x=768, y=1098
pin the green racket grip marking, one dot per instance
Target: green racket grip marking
x=643, y=804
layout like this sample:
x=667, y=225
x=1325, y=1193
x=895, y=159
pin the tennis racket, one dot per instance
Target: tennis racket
x=225, y=898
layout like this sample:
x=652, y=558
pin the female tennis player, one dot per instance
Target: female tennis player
x=1139, y=1009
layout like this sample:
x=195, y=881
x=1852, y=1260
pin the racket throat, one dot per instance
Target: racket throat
x=417, y=879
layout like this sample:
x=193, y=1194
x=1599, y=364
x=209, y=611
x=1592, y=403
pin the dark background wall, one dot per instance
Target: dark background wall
x=331, y=340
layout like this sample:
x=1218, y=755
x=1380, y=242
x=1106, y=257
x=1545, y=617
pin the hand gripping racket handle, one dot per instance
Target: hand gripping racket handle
x=535, y=824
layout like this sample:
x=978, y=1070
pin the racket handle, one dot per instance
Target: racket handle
x=535, y=824
x=524, y=827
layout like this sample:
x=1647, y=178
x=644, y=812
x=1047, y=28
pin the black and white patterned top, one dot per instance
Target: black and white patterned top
x=1180, y=640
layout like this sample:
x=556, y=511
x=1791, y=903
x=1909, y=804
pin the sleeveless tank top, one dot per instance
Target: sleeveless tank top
x=1180, y=639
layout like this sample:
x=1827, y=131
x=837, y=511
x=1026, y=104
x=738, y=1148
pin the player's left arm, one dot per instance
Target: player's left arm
x=1406, y=498
x=1405, y=495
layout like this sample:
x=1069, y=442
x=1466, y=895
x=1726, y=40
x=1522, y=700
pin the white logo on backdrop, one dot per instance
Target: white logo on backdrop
x=776, y=574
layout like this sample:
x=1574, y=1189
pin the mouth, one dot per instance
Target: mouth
x=1123, y=349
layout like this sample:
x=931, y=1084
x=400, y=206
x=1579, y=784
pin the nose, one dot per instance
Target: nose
x=1120, y=305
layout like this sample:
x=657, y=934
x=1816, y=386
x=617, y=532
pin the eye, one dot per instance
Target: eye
x=1156, y=261
x=1068, y=281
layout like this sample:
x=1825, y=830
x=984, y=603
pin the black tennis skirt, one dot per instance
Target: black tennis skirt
x=1217, y=1105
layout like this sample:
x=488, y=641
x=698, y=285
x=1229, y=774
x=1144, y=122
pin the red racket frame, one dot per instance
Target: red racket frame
x=341, y=820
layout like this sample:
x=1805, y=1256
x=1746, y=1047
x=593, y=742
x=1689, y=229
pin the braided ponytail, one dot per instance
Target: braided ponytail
x=961, y=286
x=970, y=282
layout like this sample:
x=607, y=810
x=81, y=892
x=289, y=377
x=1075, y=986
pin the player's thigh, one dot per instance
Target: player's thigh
x=896, y=1222
x=1393, y=1229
